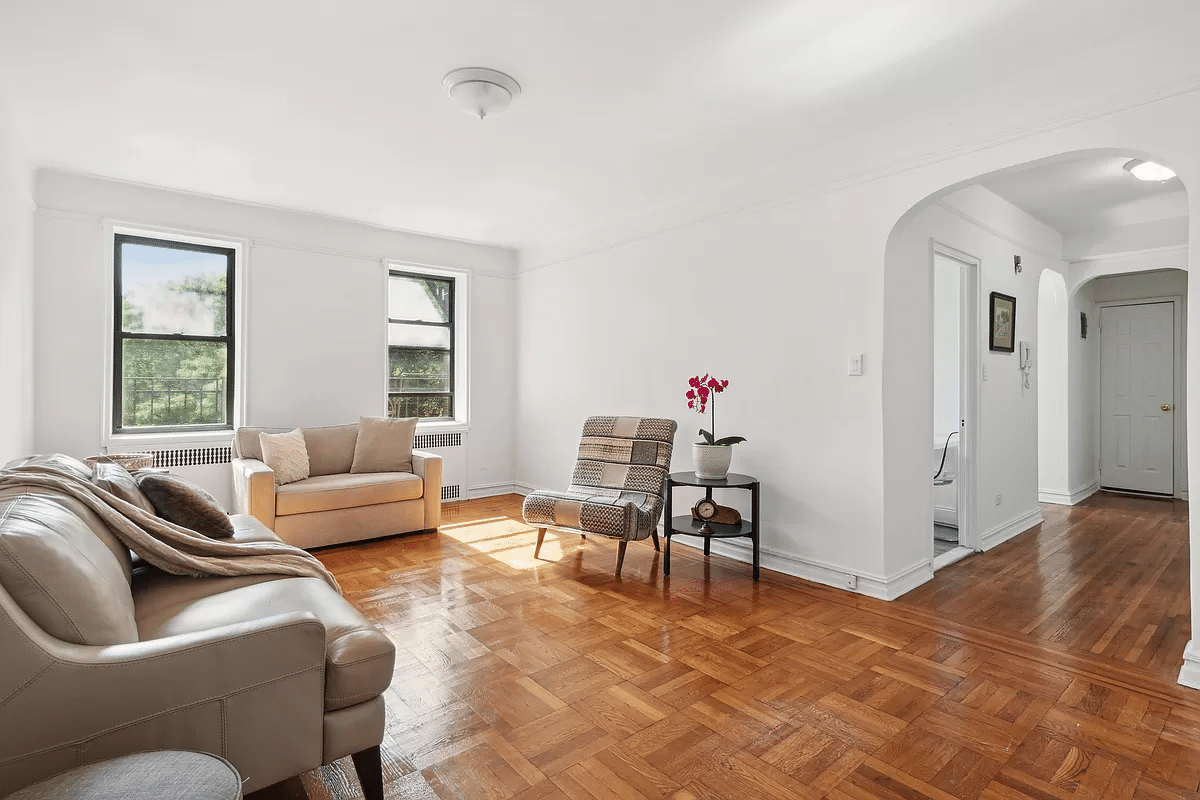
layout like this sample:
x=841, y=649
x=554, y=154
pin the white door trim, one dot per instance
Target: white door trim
x=1178, y=437
x=968, y=527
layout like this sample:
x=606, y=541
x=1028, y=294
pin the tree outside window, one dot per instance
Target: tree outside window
x=420, y=346
x=173, y=342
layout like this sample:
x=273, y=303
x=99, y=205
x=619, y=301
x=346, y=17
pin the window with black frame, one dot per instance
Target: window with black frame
x=420, y=346
x=173, y=336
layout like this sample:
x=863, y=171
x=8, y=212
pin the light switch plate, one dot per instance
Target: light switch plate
x=854, y=365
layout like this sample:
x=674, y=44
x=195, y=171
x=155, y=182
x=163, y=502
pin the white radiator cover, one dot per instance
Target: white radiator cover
x=452, y=447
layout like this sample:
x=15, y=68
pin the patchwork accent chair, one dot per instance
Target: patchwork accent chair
x=617, y=486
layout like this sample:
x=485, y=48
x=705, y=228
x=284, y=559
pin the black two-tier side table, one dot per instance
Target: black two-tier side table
x=689, y=526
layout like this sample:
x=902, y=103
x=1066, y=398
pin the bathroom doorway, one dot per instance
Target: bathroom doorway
x=954, y=297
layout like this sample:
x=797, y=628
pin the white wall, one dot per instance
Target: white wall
x=773, y=301
x=1053, y=371
x=1142, y=236
x=315, y=316
x=775, y=298
x=16, y=293
x=947, y=347
x=1004, y=434
x=1083, y=360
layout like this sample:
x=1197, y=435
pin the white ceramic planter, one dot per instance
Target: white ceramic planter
x=712, y=460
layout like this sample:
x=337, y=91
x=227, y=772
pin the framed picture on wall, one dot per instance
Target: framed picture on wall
x=1002, y=311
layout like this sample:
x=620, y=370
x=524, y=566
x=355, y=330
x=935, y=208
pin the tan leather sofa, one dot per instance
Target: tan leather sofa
x=100, y=657
x=333, y=505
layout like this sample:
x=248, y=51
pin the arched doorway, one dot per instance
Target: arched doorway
x=1031, y=421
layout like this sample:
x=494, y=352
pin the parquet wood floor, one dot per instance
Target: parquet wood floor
x=1042, y=669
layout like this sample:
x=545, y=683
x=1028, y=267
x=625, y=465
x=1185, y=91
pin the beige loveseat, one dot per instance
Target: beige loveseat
x=100, y=657
x=334, y=505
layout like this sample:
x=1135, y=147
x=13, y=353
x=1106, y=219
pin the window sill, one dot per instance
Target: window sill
x=442, y=427
x=124, y=441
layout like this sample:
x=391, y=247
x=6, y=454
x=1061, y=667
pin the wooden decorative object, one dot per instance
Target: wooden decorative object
x=708, y=511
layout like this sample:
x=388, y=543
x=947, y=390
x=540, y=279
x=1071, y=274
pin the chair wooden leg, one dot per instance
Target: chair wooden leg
x=621, y=555
x=541, y=536
x=654, y=534
x=369, y=766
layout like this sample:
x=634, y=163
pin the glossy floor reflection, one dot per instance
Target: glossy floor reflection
x=1044, y=668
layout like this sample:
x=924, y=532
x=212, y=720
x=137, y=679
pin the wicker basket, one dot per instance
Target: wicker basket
x=129, y=461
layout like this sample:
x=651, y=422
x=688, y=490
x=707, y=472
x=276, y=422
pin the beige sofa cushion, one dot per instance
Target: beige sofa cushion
x=245, y=441
x=61, y=573
x=286, y=454
x=384, y=445
x=358, y=657
x=330, y=448
x=329, y=492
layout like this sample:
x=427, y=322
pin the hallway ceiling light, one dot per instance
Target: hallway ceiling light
x=1149, y=171
x=481, y=91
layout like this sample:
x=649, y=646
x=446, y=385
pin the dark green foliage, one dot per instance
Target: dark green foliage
x=417, y=381
x=723, y=441
x=171, y=382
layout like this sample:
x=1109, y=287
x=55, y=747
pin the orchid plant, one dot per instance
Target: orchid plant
x=701, y=397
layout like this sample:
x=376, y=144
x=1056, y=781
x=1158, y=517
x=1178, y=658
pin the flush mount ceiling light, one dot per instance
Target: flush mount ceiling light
x=481, y=91
x=1149, y=171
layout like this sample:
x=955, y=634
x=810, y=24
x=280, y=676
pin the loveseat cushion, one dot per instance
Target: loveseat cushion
x=246, y=444
x=330, y=492
x=330, y=448
x=358, y=658
x=57, y=563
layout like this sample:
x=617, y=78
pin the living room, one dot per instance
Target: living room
x=734, y=214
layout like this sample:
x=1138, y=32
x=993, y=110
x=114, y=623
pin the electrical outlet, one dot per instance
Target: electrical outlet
x=999, y=499
x=851, y=581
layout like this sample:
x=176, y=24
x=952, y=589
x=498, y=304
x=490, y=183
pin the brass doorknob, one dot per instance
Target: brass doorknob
x=1166, y=406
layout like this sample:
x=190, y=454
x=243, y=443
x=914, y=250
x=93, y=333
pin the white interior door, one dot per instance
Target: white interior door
x=1137, y=404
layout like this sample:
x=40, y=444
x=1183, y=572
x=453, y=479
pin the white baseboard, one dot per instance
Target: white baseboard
x=876, y=586
x=523, y=488
x=1189, y=673
x=493, y=490
x=1005, y=531
x=1068, y=498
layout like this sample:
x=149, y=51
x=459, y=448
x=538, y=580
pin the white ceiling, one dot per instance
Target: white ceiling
x=628, y=104
x=1088, y=193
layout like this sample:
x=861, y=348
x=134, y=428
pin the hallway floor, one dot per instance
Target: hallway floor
x=1109, y=576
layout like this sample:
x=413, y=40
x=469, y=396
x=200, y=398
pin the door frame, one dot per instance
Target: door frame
x=1179, y=487
x=968, y=398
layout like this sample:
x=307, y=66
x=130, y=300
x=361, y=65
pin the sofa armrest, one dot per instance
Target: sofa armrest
x=254, y=490
x=207, y=690
x=429, y=467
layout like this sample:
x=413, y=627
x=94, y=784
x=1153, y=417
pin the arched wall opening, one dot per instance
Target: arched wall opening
x=1009, y=410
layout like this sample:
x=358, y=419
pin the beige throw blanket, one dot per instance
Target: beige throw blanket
x=170, y=547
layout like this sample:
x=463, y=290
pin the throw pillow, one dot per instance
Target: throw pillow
x=185, y=504
x=286, y=454
x=116, y=480
x=384, y=445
